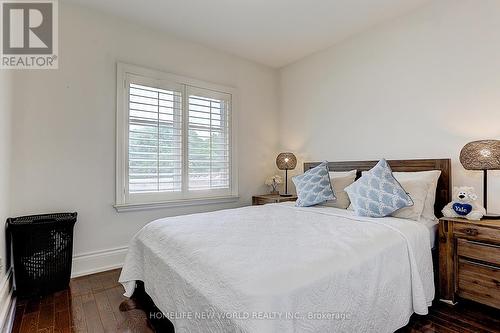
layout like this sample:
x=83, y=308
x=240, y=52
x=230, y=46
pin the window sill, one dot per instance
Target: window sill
x=176, y=203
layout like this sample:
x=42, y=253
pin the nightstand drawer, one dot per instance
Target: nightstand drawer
x=260, y=201
x=479, y=282
x=476, y=232
x=488, y=253
x=271, y=198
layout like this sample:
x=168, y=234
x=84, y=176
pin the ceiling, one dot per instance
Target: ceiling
x=271, y=32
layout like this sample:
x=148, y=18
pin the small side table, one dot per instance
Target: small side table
x=270, y=198
x=469, y=260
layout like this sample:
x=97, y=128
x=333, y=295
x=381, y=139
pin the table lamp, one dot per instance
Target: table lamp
x=286, y=161
x=482, y=155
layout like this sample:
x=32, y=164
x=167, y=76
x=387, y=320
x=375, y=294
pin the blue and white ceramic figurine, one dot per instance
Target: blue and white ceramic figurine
x=464, y=204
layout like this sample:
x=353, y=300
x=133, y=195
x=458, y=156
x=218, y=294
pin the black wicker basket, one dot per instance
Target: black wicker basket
x=42, y=247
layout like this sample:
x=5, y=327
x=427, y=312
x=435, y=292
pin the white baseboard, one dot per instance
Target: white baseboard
x=98, y=261
x=7, y=303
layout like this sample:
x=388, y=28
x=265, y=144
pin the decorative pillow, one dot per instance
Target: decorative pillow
x=340, y=180
x=430, y=178
x=377, y=193
x=313, y=186
x=418, y=192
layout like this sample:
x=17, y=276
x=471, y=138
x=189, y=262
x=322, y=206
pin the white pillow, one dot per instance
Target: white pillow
x=418, y=193
x=430, y=178
x=337, y=174
x=340, y=180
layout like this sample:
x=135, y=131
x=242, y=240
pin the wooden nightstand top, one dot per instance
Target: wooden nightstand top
x=271, y=198
x=483, y=222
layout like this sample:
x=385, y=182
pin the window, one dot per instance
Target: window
x=174, y=140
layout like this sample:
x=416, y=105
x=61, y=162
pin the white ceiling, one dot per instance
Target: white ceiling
x=270, y=32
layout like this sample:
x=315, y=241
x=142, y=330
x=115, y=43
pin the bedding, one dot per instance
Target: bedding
x=313, y=186
x=340, y=180
x=427, y=178
x=281, y=268
x=432, y=227
x=418, y=193
x=431, y=178
x=377, y=193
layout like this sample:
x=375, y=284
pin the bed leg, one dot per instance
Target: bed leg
x=140, y=300
x=136, y=301
x=129, y=304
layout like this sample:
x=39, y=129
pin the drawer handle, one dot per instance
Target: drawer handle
x=482, y=264
x=484, y=244
x=471, y=231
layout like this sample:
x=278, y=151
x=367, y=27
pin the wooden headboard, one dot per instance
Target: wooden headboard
x=443, y=191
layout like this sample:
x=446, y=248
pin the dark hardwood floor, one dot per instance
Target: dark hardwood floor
x=92, y=304
x=465, y=317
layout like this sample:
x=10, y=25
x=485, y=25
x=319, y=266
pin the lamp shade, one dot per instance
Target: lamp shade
x=286, y=161
x=481, y=155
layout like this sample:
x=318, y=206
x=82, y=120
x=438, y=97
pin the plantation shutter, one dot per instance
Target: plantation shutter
x=208, y=140
x=174, y=140
x=154, y=137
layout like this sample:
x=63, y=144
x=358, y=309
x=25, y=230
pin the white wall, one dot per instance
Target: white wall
x=5, y=160
x=64, y=123
x=6, y=109
x=420, y=86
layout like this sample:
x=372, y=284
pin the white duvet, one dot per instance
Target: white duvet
x=278, y=268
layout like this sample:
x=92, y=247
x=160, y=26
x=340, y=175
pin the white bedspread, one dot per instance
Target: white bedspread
x=278, y=268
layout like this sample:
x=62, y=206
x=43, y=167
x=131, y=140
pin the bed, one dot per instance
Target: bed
x=281, y=268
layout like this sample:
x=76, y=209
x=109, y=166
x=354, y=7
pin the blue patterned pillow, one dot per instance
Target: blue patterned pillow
x=377, y=193
x=313, y=186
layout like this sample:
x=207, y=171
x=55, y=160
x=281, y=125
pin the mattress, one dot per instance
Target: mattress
x=280, y=268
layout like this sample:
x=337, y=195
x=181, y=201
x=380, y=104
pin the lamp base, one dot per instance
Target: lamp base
x=491, y=217
x=286, y=195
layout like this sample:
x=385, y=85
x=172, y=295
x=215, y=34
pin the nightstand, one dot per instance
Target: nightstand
x=270, y=198
x=469, y=260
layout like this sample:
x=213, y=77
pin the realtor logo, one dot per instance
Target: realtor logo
x=29, y=34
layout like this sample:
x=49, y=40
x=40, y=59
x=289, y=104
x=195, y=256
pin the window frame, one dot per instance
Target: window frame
x=125, y=201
